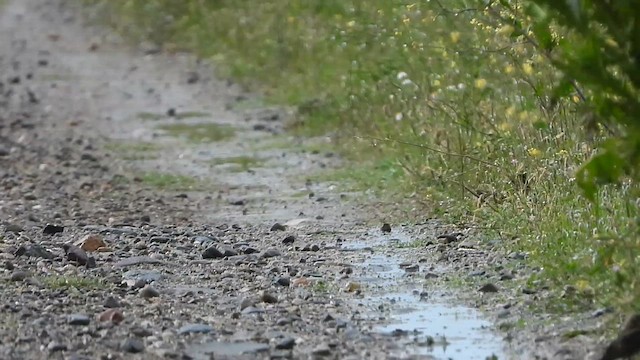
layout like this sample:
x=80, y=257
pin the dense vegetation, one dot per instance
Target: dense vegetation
x=484, y=112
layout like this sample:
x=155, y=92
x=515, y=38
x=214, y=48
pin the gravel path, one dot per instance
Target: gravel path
x=150, y=211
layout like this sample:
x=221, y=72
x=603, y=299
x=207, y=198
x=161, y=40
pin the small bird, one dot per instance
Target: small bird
x=628, y=341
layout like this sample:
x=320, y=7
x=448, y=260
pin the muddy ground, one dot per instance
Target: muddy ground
x=150, y=211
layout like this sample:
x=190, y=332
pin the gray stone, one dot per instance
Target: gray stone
x=132, y=345
x=78, y=319
x=136, y=260
x=147, y=276
x=195, y=328
x=286, y=344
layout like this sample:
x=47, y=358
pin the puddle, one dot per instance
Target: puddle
x=432, y=326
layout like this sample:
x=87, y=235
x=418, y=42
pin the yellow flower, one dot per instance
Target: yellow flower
x=509, y=69
x=481, y=83
x=511, y=110
x=533, y=152
x=351, y=23
x=436, y=83
x=527, y=68
x=455, y=37
x=504, y=126
x=506, y=30
x=524, y=116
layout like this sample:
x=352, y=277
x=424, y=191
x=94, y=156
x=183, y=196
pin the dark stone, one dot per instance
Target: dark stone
x=13, y=228
x=278, y=227
x=52, y=229
x=386, y=228
x=212, y=253
x=132, y=345
x=488, y=288
x=78, y=319
x=250, y=250
x=172, y=112
x=76, y=254
x=284, y=281
x=315, y=247
x=286, y=344
x=289, y=240
x=19, y=275
x=55, y=346
x=111, y=302
x=269, y=298
x=160, y=239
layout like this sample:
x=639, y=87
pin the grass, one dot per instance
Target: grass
x=166, y=181
x=454, y=108
x=239, y=163
x=199, y=132
x=56, y=282
x=133, y=150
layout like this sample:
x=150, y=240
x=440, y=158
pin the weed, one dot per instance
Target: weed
x=200, y=132
x=56, y=282
x=133, y=150
x=167, y=181
x=179, y=115
x=240, y=163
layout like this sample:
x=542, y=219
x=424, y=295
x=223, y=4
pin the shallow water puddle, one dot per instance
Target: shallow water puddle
x=424, y=323
x=441, y=330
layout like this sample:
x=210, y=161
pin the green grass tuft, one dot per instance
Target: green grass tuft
x=200, y=132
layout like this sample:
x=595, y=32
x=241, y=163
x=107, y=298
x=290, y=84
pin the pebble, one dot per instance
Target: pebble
x=136, y=260
x=203, y=240
x=195, y=328
x=132, y=345
x=19, y=275
x=286, y=344
x=91, y=242
x=78, y=319
x=52, y=229
x=112, y=315
x=268, y=298
x=289, y=240
x=322, y=350
x=284, y=281
x=147, y=276
x=270, y=253
x=212, y=253
x=278, y=227
x=386, y=228
x=488, y=288
x=55, y=346
x=76, y=254
x=149, y=292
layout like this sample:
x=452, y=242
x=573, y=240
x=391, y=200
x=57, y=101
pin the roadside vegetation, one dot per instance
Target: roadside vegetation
x=483, y=114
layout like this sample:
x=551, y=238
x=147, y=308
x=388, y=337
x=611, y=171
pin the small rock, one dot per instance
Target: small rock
x=386, y=228
x=75, y=254
x=172, y=112
x=212, y=253
x=278, y=227
x=56, y=346
x=352, y=287
x=270, y=253
x=9, y=265
x=268, y=298
x=111, y=302
x=506, y=276
x=91, y=243
x=13, y=228
x=250, y=250
x=315, y=247
x=528, y=291
x=19, y=275
x=78, y=319
x=203, y=240
x=289, y=240
x=112, y=315
x=431, y=275
x=149, y=292
x=286, y=344
x=322, y=350
x=136, y=260
x=488, y=288
x=160, y=239
x=448, y=238
x=52, y=229
x=195, y=328
x=132, y=345
x=412, y=268
x=146, y=276
x=140, y=331
x=284, y=281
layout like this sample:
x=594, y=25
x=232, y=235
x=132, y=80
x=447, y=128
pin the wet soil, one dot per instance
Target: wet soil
x=148, y=213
